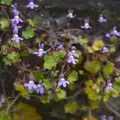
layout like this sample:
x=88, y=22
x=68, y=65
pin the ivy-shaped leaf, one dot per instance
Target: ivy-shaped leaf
x=71, y=107
x=38, y=75
x=107, y=70
x=83, y=41
x=49, y=62
x=97, y=45
x=28, y=33
x=4, y=116
x=4, y=23
x=44, y=99
x=73, y=76
x=92, y=66
x=6, y=2
x=116, y=84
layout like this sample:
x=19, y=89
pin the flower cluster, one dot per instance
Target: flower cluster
x=71, y=55
x=31, y=86
x=14, y=23
x=31, y=4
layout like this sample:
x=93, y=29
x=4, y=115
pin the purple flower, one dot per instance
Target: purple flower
x=111, y=118
x=16, y=20
x=40, y=88
x=16, y=38
x=62, y=81
x=60, y=46
x=86, y=24
x=15, y=28
x=70, y=14
x=113, y=32
x=101, y=19
x=3, y=100
x=31, y=5
x=72, y=60
x=40, y=50
x=109, y=85
x=30, y=85
x=103, y=117
x=105, y=49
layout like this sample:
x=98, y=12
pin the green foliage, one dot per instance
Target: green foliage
x=71, y=107
x=28, y=33
x=60, y=95
x=47, y=83
x=38, y=75
x=6, y=2
x=25, y=111
x=117, y=83
x=97, y=45
x=21, y=89
x=107, y=70
x=44, y=99
x=83, y=41
x=73, y=76
x=11, y=58
x=51, y=61
x=92, y=66
x=4, y=116
x=32, y=22
x=4, y=23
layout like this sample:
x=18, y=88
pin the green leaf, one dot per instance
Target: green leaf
x=84, y=108
x=6, y=2
x=49, y=62
x=4, y=116
x=83, y=41
x=28, y=33
x=24, y=111
x=89, y=83
x=47, y=84
x=24, y=53
x=97, y=45
x=106, y=97
x=61, y=95
x=116, y=84
x=107, y=70
x=92, y=66
x=33, y=22
x=44, y=99
x=21, y=89
x=71, y=107
x=4, y=23
x=114, y=93
x=94, y=104
x=58, y=55
x=38, y=75
x=73, y=76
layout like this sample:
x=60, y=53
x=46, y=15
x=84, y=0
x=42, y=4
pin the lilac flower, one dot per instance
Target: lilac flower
x=105, y=49
x=60, y=46
x=71, y=56
x=113, y=32
x=40, y=50
x=3, y=100
x=70, y=14
x=15, y=28
x=16, y=20
x=62, y=81
x=111, y=118
x=101, y=19
x=109, y=85
x=103, y=117
x=86, y=24
x=16, y=38
x=31, y=5
x=30, y=85
x=40, y=88
x=72, y=60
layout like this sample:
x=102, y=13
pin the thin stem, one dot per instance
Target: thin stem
x=12, y=103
